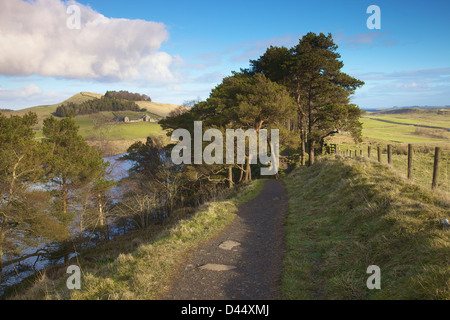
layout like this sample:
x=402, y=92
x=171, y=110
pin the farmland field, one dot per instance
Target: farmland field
x=411, y=126
x=432, y=117
x=424, y=140
x=378, y=130
x=100, y=128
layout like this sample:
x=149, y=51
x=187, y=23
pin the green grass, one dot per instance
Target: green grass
x=142, y=264
x=129, y=131
x=347, y=215
x=115, y=130
x=99, y=126
x=430, y=117
x=378, y=130
x=422, y=173
x=404, y=133
x=378, y=133
x=111, y=131
x=422, y=165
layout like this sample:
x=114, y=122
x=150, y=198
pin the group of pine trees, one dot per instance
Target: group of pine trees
x=96, y=105
x=311, y=72
x=50, y=189
x=111, y=101
x=300, y=90
x=123, y=94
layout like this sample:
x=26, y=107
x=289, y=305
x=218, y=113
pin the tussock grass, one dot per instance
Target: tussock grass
x=345, y=216
x=141, y=265
x=422, y=166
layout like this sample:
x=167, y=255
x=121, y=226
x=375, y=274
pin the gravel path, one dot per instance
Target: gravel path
x=245, y=261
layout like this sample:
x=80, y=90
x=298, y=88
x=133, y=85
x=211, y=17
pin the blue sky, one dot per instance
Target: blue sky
x=194, y=44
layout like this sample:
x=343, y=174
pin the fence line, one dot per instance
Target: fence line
x=410, y=159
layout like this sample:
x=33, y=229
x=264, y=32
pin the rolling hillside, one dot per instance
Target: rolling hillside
x=408, y=125
x=156, y=108
x=101, y=130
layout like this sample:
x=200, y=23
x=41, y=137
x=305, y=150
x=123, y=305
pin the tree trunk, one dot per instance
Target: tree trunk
x=248, y=172
x=246, y=178
x=311, y=152
x=101, y=218
x=301, y=125
x=303, y=145
x=311, y=141
x=242, y=173
x=230, y=177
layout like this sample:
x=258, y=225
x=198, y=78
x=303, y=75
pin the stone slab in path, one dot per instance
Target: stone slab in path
x=216, y=267
x=229, y=244
x=248, y=271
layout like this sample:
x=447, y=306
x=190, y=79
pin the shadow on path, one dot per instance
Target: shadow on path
x=250, y=267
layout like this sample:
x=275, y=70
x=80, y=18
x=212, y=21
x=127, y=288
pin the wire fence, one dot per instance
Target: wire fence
x=424, y=165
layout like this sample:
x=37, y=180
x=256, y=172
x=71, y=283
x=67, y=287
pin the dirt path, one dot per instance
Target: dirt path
x=245, y=261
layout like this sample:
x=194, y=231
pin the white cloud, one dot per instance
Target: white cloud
x=27, y=91
x=35, y=39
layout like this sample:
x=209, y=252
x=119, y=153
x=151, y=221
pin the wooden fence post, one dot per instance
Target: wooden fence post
x=368, y=152
x=379, y=153
x=437, y=160
x=410, y=157
x=389, y=151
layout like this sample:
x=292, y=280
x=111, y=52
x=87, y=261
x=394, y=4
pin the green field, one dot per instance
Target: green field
x=92, y=126
x=424, y=140
x=126, y=131
x=115, y=137
x=100, y=128
x=408, y=127
x=428, y=117
x=378, y=130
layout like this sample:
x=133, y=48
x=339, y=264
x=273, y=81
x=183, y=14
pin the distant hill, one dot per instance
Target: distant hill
x=82, y=97
x=160, y=109
x=100, y=129
x=414, y=110
x=405, y=109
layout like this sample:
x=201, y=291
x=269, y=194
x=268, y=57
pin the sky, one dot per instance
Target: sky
x=176, y=51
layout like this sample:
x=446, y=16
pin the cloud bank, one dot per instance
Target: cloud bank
x=36, y=40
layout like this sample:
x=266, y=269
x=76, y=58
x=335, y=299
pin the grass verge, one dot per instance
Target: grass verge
x=345, y=216
x=140, y=265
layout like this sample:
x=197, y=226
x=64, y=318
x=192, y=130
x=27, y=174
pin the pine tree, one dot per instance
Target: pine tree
x=25, y=222
x=72, y=167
